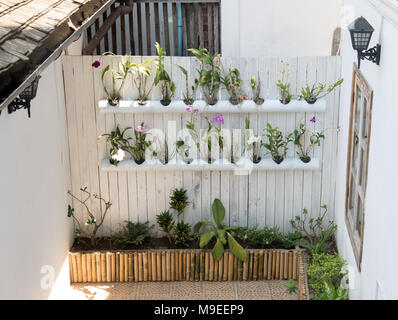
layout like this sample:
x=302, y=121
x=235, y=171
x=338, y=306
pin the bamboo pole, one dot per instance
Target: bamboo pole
x=154, y=271
x=255, y=266
x=98, y=266
x=202, y=266
x=260, y=265
x=140, y=267
x=225, y=271
x=117, y=266
x=207, y=266
x=70, y=263
x=145, y=266
x=135, y=263
x=236, y=265
x=240, y=270
x=93, y=269
x=215, y=270
x=211, y=267
x=159, y=266
x=220, y=269
x=250, y=275
x=286, y=266
x=164, y=270
x=131, y=263
x=113, y=267
x=245, y=268
x=274, y=264
x=121, y=267
x=168, y=270
x=270, y=258
x=278, y=259
x=193, y=257
x=79, y=267
x=265, y=265
x=188, y=266
x=89, y=271
x=290, y=265
x=149, y=264
x=197, y=266
x=84, y=267
x=294, y=265
x=173, y=272
x=103, y=267
x=126, y=267
x=75, y=277
x=180, y=265
x=230, y=266
x=108, y=267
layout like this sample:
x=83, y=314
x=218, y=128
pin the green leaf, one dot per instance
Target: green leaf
x=218, y=212
x=106, y=69
x=218, y=250
x=236, y=248
x=200, y=224
x=206, y=237
x=184, y=71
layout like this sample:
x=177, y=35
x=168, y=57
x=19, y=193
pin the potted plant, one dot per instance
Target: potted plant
x=114, y=95
x=256, y=89
x=162, y=78
x=284, y=85
x=212, y=131
x=312, y=94
x=254, y=143
x=137, y=150
x=277, y=143
x=166, y=223
x=190, y=125
x=140, y=79
x=314, y=140
x=188, y=95
x=183, y=151
x=209, y=74
x=119, y=144
x=221, y=233
x=232, y=84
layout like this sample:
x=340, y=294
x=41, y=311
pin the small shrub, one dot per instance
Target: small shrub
x=291, y=287
x=182, y=233
x=325, y=268
x=179, y=200
x=315, y=237
x=331, y=292
x=166, y=223
x=134, y=234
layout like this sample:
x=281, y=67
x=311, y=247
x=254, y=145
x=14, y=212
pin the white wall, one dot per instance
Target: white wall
x=34, y=171
x=278, y=28
x=380, y=255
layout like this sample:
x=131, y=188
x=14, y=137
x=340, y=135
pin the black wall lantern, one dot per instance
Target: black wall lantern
x=361, y=31
x=23, y=101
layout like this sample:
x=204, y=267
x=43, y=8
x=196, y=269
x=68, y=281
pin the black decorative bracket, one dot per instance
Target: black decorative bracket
x=18, y=104
x=372, y=55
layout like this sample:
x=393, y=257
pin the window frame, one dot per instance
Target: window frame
x=354, y=173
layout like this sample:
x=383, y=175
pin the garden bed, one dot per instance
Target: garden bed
x=186, y=265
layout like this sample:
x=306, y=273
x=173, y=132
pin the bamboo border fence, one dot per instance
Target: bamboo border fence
x=187, y=265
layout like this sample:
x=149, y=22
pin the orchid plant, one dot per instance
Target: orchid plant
x=162, y=77
x=232, y=83
x=313, y=137
x=256, y=89
x=140, y=79
x=213, y=130
x=119, y=144
x=284, y=85
x=209, y=74
x=125, y=67
x=137, y=150
x=312, y=94
x=188, y=95
x=190, y=125
x=277, y=144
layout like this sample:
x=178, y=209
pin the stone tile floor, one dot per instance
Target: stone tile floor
x=248, y=290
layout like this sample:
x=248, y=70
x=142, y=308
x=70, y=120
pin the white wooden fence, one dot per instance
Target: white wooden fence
x=269, y=198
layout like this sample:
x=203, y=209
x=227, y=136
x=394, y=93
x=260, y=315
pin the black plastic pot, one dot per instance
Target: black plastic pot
x=259, y=101
x=305, y=159
x=113, y=102
x=165, y=102
x=235, y=101
x=256, y=160
x=189, y=102
x=285, y=102
x=311, y=101
x=278, y=159
x=140, y=161
x=211, y=101
x=142, y=102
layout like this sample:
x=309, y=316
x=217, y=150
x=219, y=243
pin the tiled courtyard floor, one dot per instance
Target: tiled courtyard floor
x=257, y=290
